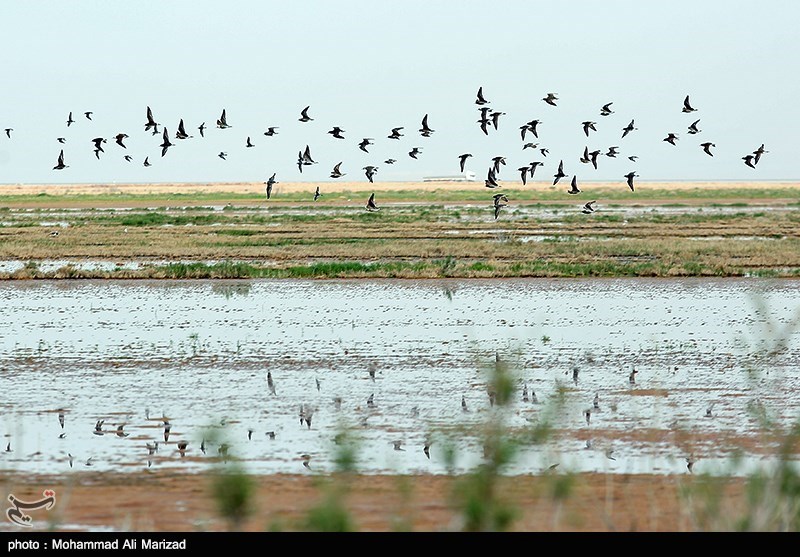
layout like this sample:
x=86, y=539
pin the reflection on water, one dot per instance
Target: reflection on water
x=390, y=360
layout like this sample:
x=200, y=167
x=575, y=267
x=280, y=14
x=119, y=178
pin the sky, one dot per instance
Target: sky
x=369, y=66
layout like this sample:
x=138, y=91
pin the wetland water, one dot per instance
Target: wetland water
x=128, y=352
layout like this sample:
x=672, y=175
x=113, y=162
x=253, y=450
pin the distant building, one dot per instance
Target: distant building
x=467, y=176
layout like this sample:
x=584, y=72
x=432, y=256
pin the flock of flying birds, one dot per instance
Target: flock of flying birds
x=488, y=120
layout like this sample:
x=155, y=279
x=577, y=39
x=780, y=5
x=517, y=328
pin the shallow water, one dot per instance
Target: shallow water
x=197, y=352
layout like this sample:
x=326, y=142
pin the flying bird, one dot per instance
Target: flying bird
x=480, y=99
x=530, y=146
x=61, y=418
x=147, y=161
x=61, y=140
x=560, y=174
x=60, y=165
x=533, y=166
x=222, y=122
x=390, y=161
x=166, y=144
x=70, y=120
x=496, y=118
x=629, y=177
x=8, y=132
x=686, y=106
x=532, y=127
x=307, y=156
x=270, y=182
x=588, y=126
x=462, y=160
x=271, y=131
x=491, y=179
x=317, y=195
x=550, y=99
x=223, y=155
x=119, y=138
x=304, y=117
x=500, y=201
x=758, y=152
x=128, y=158
x=366, y=142
x=748, y=160
x=606, y=109
x=414, y=152
x=98, y=144
x=336, y=172
x=593, y=158
x=202, y=128
x=425, y=130
x=497, y=162
x=523, y=170
x=88, y=115
x=395, y=133
x=628, y=129
x=371, y=203
x=337, y=132
x=573, y=186
x=693, y=127
x=370, y=171
x=585, y=157
x=181, y=132
x=671, y=138
x=249, y=143
x=588, y=207
x=707, y=148
x=612, y=152
x=151, y=123
x=633, y=158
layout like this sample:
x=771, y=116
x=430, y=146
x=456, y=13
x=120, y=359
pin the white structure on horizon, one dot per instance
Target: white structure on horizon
x=467, y=176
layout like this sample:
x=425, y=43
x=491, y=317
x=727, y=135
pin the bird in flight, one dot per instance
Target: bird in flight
x=370, y=171
x=633, y=158
x=532, y=127
x=499, y=160
x=573, y=186
x=304, y=117
x=366, y=142
x=693, y=127
x=425, y=130
x=671, y=138
x=151, y=123
x=371, y=203
x=119, y=138
x=98, y=144
x=462, y=160
x=270, y=182
x=60, y=165
x=222, y=121
x=147, y=161
x=390, y=161
x=8, y=132
x=223, y=155
x=480, y=99
x=630, y=176
x=606, y=109
x=748, y=160
x=588, y=207
x=686, y=106
x=530, y=146
x=414, y=152
x=628, y=129
x=491, y=179
x=585, y=158
x=758, y=152
x=337, y=173
x=88, y=115
x=202, y=128
x=550, y=99
x=337, y=132
x=61, y=139
x=166, y=144
x=128, y=158
x=612, y=152
x=593, y=157
x=317, y=195
x=307, y=156
x=588, y=126
x=707, y=148
x=496, y=118
x=395, y=133
x=249, y=143
x=560, y=174
x=181, y=133
x=533, y=166
x=271, y=131
x=523, y=171
x=70, y=120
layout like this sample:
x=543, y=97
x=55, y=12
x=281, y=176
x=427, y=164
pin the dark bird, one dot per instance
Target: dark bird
x=630, y=176
x=686, y=106
x=398, y=445
x=128, y=158
x=336, y=173
x=464, y=404
x=588, y=415
x=530, y=146
x=500, y=201
x=671, y=138
x=222, y=121
x=371, y=203
x=414, y=152
x=202, y=128
x=370, y=171
x=271, y=131
x=395, y=133
x=271, y=435
x=628, y=129
x=748, y=160
x=550, y=99
x=693, y=127
x=612, y=152
x=390, y=161
x=147, y=161
x=61, y=418
x=223, y=155
x=181, y=133
x=593, y=158
x=544, y=151
x=497, y=162
x=560, y=174
x=588, y=207
x=425, y=130
x=317, y=195
x=271, y=182
x=491, y=179
x=167, y=428
x=61, y=140
x=306, y=461
x=119, y=138
x=573, y=187
x=97, y=153
x=98, y=143
x=496, y=118
x=182, y=447
x=151, y=123
x=462, y=160
x=250, y=434
x=689, y=464
x=523, y=129
x=523, y=170
x=532, y=127
x=121, y=431
x=533, y=166
x=485, y=122
x=606, y=109
x=307, y=156
x=707, y=148
x=166, y=144
x=249, y=143
x=758, y=152
x=585, y=157
x=366, y=142
x=69, y=120
x=337, y=132
x=60, y=165
x=371, y=401
x=8, y=132
x=480, y=99
x=304, y=117
x=98, y=426
x=632, y=376
x=71, y=458
x=588, y=126
x=633, y=158
x=88, y=115
x=8, y=447
x=427, y=449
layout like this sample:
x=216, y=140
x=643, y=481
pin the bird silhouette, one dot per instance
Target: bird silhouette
x=119, y=138
x=202, y=128
x=304, y=117
x=606, y=109
x=414, y=152
x=686, y=106
x=395, y=134
x=337, y=173
x=633, y=158
x=151, y=123
x=398, y=445
x=612, y=152
x=628, y=129
x=523, y=171
x=60, y=165
x=370, y=172
x=632, y=376
x=61, y=418
x=61, y=140
x=223, y=155
x=317, y=195
x=585, y=158
x=588, y=207
x=530, y=146
x=249, y=143
x=533, y=166
x=371, y=203
x=166, y=144
x=120, y=431
x=425, y=130
x=462, y=160
x=366, y=142
x=707, y=148
x=390, y=161
x=88, y=115
x=181, y=133
x=98, y=144
x=270, y=182
x=629, y=177
x=532, y=127
x=147, y=161
x=560, y=174
x=491, y=179
x=593, y=158
x=270, y=383
x=671, y=138
x=182, y=447
x=693, y=129
x=222, y=121
x=758, y=152
x=573, y=186
x=464, y=404
x=337, y=132
x=748, y=160
x=480, y=99
x=70, y=121
x=8, y=132
x=495, y=117
x=588, y=125
x=551, y=99
x=271, y=131
x=498, y=161
x=500, y=201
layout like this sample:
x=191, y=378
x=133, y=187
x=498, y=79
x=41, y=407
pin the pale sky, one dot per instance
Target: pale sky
x=369, y=66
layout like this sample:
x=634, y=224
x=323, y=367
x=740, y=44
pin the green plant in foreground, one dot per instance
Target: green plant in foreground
x=234, y=490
